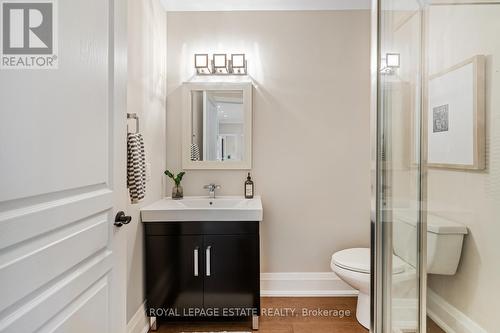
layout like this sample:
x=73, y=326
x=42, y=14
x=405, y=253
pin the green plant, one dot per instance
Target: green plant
x=177, y=179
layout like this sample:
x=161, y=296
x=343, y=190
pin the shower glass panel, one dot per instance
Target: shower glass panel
x=397, y=286
x=435, y=247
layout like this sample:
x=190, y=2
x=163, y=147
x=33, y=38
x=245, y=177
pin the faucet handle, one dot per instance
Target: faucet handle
x=211, y=187
x=211, y=190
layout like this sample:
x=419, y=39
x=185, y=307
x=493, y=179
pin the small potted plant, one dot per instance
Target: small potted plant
x=177, y=191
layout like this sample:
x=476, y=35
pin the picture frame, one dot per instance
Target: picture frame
x=455, y=116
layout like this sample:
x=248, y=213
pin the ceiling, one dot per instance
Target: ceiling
x=242, y=5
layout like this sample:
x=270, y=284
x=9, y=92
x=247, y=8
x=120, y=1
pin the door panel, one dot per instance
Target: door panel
x=59, y=119
x=171, y=280
x=396, y=294
x=58, y=297
x=62, y=137
x=22, y=224
x=50, y=257
x=234, y=265
x=83, y=315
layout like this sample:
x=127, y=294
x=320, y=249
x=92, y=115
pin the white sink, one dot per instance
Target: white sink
x=222, y=208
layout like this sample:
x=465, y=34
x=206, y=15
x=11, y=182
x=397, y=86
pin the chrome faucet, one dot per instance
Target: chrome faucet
x=211, y=190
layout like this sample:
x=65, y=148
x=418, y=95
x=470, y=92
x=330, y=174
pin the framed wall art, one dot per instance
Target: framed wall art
x=456, y=116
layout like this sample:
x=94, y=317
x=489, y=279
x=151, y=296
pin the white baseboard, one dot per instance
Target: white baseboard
x=315, y=284
x=139, y=323
x=449, y=318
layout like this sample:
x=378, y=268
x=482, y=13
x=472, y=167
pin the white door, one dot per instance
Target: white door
x=62, y=179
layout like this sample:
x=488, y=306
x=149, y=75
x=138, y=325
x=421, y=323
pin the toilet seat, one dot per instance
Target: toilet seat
x=358, y=260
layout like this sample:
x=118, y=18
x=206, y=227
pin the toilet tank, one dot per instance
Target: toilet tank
x=444, y=242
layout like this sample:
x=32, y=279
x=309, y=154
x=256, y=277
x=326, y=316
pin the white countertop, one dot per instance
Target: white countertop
x=195, y=208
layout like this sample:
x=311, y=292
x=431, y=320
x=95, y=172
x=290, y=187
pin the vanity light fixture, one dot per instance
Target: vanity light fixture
x=219, y=64
x=201, y=64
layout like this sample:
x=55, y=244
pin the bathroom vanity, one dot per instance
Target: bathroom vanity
x=202, y=258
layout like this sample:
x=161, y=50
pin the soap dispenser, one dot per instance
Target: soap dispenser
x=249, y=187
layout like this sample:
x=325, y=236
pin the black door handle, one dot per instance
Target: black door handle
x=122, y=219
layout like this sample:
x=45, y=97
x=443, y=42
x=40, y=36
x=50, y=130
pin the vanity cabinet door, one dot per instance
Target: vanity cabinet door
x=174, y=276
x=232, y=271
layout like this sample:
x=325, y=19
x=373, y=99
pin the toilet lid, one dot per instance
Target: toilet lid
x=358, y=260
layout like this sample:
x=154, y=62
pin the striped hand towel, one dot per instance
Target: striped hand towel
x=195, y=152
x=136, y=167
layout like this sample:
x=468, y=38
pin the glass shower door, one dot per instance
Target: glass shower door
x=397, y=235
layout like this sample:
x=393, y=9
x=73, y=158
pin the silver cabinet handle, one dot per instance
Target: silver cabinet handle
x=208, y=259
x=196, y=261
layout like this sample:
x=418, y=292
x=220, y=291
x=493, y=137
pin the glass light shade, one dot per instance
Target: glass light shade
x=201, y=60
x=392, y=60
x=220, y=60
x=238, y=60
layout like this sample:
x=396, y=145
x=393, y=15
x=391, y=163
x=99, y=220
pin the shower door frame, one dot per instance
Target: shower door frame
x=381, y=233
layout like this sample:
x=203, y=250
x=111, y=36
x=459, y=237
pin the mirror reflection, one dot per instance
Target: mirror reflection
x=217, y=125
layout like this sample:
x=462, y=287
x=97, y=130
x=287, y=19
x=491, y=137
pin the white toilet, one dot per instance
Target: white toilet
x=444, y=247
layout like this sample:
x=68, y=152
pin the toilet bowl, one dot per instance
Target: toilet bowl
x=444, y=247
x=353, y=267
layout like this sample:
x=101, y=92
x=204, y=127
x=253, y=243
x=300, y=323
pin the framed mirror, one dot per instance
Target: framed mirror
x=217, y=126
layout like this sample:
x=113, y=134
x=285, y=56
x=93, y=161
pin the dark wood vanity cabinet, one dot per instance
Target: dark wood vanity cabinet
x=197, y=269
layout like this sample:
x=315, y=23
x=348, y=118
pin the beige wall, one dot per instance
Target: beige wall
x=146, y=97
x=311, y=125
x=472, y=198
